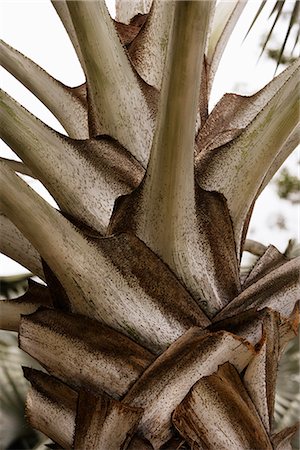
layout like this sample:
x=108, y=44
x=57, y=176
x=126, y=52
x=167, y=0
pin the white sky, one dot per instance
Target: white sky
x=33, y=28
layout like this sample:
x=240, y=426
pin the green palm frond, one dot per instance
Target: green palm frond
x=276, y=11
x=261, y=6
x=294, y=20
x=280, y=10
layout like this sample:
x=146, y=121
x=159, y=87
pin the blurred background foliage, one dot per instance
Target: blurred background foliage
x=288, y=185
x=14, y=431
x=284, y=15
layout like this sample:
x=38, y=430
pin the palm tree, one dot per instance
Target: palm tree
x=282, y=8
x=148, y=335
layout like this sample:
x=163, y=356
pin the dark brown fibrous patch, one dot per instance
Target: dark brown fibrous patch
x=127, y=33
x=58, y=294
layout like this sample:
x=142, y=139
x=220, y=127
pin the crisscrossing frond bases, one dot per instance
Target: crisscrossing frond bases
x=144, y=320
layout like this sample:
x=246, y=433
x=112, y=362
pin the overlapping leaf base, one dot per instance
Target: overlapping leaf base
x=150, y=336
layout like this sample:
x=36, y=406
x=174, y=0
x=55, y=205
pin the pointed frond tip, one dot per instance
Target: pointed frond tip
x=242, y=167
x=270, y=259
x=17, y=166
x=59, y=99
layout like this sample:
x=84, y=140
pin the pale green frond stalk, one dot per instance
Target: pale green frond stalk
x=117, y=104
x=254, y=247
x=261, y=293
x=104, y=292
x=58, y=242
x=59, y=99
x=62, y=164
x=164, y=209
x=268, y=136
x=233, y=113
x=35, y=218
x=168, y=199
